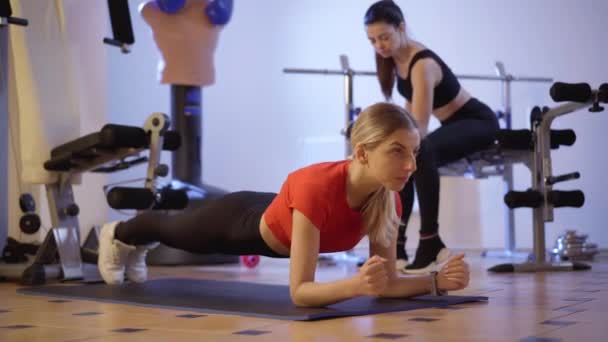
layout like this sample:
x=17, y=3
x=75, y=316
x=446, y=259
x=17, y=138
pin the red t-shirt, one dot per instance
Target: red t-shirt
x=318, y=191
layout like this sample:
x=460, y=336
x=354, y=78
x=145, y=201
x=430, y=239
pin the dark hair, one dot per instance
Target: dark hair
x=388, y=12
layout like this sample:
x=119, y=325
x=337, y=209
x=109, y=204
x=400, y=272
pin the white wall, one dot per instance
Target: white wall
x=259, y=123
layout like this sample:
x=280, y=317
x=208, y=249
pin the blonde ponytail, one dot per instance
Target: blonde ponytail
x=380, y=217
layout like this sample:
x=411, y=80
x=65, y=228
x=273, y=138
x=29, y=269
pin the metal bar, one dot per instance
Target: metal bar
x=4, y=130
x=542, y=170
x=327, y=72
x=504, y=78
x=313, y=71
x=509, y=217
x=549, y=116
x=460, y=76
x=186, y=118
x=509, y=214
x=66, y=229
x=538, y=232
x=59, y=198
x=155, y=126
x=541, y=136
x=349, y=107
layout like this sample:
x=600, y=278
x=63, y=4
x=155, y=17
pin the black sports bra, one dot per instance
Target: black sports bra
x=444, y=92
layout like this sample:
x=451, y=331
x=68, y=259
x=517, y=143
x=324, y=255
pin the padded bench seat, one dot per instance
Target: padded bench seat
x=112, y=142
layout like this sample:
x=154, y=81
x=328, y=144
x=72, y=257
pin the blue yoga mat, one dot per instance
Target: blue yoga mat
x=236, y=298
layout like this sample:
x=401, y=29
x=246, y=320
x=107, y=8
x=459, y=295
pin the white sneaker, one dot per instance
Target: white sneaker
x=113, y=255
x=136, y=268
x=443, y=256
x=400, y=264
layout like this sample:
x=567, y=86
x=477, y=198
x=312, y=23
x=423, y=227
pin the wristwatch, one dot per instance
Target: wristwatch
x=434, y=288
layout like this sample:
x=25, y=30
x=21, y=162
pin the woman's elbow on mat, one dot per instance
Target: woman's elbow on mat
x=300, y=298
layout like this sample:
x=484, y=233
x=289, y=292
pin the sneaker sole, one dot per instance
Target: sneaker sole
x=443, y=256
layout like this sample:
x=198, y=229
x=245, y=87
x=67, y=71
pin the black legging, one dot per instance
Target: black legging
x=226, y=225
x=472, y=128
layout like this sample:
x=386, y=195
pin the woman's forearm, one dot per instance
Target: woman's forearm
x=313, y=294
x=401, y=287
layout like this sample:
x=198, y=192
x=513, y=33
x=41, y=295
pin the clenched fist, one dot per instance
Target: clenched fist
x=454, y=275
x=372, y=277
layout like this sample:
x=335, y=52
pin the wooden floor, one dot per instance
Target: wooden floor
x=564, y=306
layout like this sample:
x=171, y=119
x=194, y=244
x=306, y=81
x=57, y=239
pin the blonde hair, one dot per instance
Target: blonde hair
x=372, y=127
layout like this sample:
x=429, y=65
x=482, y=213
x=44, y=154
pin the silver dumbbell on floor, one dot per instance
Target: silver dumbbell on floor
x=573, y=247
